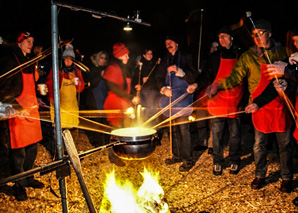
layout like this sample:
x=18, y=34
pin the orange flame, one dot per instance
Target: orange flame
x=123, y=197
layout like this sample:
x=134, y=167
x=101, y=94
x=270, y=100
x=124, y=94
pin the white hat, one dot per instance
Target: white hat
x=68, y=52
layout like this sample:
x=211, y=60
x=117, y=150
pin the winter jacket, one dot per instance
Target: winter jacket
x=11, y=85
x=182, y=60
x=249, y=65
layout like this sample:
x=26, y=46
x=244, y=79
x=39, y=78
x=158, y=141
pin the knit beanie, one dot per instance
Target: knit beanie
x=173, y=38
x=68, y=52
x=227, y=30
x=263, y=24
x=23, y=36
x=119, y=49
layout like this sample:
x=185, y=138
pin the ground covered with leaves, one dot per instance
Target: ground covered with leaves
x=195, y=191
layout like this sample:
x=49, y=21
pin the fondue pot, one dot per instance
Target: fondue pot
x=139, y=142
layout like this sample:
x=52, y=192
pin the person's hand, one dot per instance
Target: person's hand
x=10, y=112
x=212, y=89
x=251, y=108
x=138, y=87
x=145, y=79
x=293, y=59
x=280, y=85
x=191, y=88
x=71, y=75
x=135, y=100
x=172, y=68
x=167, y=92
x=277, y=69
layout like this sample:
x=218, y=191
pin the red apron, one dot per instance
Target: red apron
x=225, y=101
x=113, y=101
x=26, y=131
x=273, y=117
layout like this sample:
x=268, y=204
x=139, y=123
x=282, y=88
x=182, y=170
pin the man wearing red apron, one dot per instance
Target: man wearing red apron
x=24, y=130
x=225, y=103
x=273, y=117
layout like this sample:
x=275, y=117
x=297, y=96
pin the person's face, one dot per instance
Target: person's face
x=225, y=40
x=295, y=40
x=124, y=58
x=26, y=45
x=172, y=46
x=67, y=61
x=102, y=59
x=261, y=37
x=148, y=56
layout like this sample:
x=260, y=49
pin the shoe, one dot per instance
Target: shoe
x=295, y=201
x=210, y=151
x=217, y=169
x=200, y=148
x=20, y=193
x=186, y=166
x=115, y=160
x=234, y=169
x=35, y=184
x=286, y=186
x=173, y=160
x=258, y=183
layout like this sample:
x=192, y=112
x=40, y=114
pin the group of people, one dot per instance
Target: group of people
x=265, y=71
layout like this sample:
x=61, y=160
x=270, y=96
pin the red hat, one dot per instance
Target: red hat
x=23, y=36
x=119, y=49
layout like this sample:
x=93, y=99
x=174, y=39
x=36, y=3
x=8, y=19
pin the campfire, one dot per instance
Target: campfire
x=123, y=197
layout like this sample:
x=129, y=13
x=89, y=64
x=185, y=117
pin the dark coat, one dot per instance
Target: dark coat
x=12, y=84
x=182, y=60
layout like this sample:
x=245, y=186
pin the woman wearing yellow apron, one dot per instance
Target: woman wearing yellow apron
x=70, y=81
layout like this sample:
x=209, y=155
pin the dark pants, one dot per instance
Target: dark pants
x=22, y=160
x=285, y=154
x=218, y=125
x=181, y=142
x=204, y=126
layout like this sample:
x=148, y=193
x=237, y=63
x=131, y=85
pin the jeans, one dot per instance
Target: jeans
x=181, y=142
x=285, y=154
x=218, y=127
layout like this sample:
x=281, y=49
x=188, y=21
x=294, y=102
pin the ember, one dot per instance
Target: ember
x=122, y=197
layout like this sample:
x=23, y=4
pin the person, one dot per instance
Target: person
x=175, y=73
x=42, y=70
x=70, y=82
x=273, y=117
x=96, y=93
x=19, y=90
x=204, y=126
x=118, y=82
x=292, y=40
x=143, y=85
x=224, y=103
x=289, y=72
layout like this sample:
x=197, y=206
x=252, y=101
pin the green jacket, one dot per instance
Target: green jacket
x=248, y=65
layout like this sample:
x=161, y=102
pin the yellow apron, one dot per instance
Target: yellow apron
x=69, y=108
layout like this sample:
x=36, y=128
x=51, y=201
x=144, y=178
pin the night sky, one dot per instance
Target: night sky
x=166, y=17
